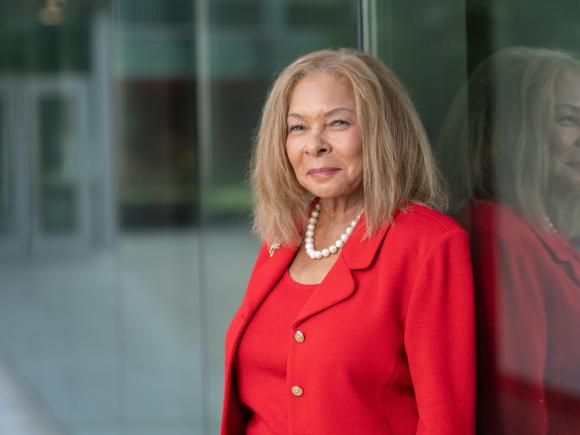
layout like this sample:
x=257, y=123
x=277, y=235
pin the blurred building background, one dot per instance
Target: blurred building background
x=125, y=130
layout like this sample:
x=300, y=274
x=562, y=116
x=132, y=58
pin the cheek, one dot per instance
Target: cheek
x=293, y=154
x=354, y=153
x=355, y=141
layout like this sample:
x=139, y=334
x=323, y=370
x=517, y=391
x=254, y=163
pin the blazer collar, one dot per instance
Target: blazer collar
x=358, y=252
x=339, y=283
x=336, y=286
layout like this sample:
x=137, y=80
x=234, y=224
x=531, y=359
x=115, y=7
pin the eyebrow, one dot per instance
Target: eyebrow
x=296, y=115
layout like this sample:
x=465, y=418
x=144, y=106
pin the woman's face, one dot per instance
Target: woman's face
x=323, y=142
x=565, y=162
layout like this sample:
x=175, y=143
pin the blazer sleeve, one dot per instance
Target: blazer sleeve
x=440, y=338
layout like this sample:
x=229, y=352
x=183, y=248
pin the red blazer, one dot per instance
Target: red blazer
x=528, y=317
x=389, y=334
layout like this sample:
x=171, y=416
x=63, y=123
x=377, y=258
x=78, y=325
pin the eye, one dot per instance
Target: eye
x=339, y=123
x=296, y=128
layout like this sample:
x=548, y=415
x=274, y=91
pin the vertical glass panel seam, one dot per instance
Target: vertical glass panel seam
x=4, y=176
x=205, y=162
x=368, y=26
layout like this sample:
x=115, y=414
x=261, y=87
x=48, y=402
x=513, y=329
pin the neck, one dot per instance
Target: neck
x=341, y=208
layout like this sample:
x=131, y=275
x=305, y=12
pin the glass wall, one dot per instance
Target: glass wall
x=125, y=246
x=498, y=86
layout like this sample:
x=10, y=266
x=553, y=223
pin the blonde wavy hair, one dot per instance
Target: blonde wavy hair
x=398, y=166
x=495, y=142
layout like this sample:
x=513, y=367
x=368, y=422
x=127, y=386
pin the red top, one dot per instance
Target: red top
x=262, y=354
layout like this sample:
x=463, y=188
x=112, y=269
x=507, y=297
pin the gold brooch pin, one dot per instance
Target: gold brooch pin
x=273, y=247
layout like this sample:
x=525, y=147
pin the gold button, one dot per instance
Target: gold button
x=297, y=391
x=299, y=336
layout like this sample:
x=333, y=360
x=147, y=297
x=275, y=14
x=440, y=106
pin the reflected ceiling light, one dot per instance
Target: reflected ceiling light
x=52, y=13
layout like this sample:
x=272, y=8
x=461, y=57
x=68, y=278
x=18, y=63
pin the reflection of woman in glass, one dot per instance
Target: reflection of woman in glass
x=358, y=317
x=515, y=179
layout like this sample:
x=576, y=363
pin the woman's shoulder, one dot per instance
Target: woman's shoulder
x=419, y=229
x=426, y=221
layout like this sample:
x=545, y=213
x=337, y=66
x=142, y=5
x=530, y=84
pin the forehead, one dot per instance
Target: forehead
x=568, y=88
x=321, y=92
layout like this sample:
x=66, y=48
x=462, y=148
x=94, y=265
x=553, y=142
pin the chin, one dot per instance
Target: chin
x=331, y=189
x=322, y=195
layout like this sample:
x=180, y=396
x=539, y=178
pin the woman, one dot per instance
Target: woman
x=358, y=317
x=518, y=189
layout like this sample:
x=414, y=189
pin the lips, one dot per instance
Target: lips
x=322, y=172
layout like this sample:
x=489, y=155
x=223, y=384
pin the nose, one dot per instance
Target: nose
x=316, y=144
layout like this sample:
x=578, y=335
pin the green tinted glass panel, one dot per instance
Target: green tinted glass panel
x=243, y=61
x=236, y=13
x=336, y=19
x=26, y=44
x=401, y=45
x=3, y=173
x=57, y=190
x=497, y=85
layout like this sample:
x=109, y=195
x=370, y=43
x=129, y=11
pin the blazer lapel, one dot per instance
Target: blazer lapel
x=337, y=286
x=339, y=283
x=263, y=281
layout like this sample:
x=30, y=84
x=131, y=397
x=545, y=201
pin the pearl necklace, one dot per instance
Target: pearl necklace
x=332, y=249
x=551, y=226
